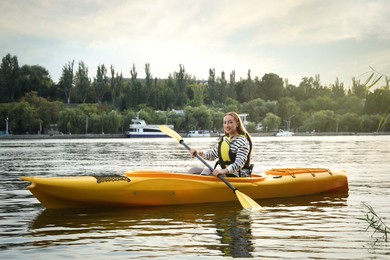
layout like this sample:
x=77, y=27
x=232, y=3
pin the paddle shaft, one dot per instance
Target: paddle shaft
x=209, y=166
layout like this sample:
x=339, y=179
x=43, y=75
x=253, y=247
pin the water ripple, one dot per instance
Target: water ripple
x=320, y=226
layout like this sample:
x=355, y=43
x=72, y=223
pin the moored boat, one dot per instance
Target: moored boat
x=199, y=133
x=139, y=129
x=156, y=188
x=282, y=132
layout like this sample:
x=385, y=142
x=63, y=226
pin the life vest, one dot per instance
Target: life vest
x=227, y=157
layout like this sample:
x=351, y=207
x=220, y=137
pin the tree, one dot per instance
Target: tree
x=256, y=109
x=36, y=78
x=212, y=87
x=338, y=88
x=101, y=83
x=271, y=122
x=24, y=118
x=135, y=88
x=115, y=86
x=216, y=119
x=369, y=123
x=231, y=86
x=198, y=118
x=289, y=111
x=9, y=79
x=318, y=103
x=46, y=112
x=245, y=89
x=112, y=122
x=359, y=90
x=348, y=104
x=127, y=116
x=181, y=86
x=148, y=91
x=82, y=82
x=321, y=121
x=72, y=120
x=66, y=80
x=223, y=88
x=167, y=93
x=349, y=122
x=198, y=95
x=287, y=107
x=231, y=105
x=305, y=89
x=378, y=101
x=271, y=87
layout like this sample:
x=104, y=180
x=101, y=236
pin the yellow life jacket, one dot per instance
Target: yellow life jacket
x=227, y=157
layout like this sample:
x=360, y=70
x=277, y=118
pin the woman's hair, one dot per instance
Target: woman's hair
x=241, y=128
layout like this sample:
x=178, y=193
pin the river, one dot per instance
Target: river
x=325, y=226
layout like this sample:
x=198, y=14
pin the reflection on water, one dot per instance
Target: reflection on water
x=318, y=226
x=224, y=230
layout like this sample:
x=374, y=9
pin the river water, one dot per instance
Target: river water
x=323, y=226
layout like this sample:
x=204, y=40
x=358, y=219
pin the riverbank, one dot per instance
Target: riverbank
x=108, y=136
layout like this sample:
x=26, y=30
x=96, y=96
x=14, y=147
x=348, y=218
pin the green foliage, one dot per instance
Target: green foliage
x=198, y=118
x=288, y=109
x=321, y=121
x=369, y=123
x=382, y=97
x=349, y=122
x=256, y=108
x=271, y=86
x=47, y=112
x=82, y=82
x=9, y=75
x=349, y=104
x=197, y=94
x=32, y=114
x=66, y=80
x=251, y=127
x=271, y=122
x=107, y=104
x=231, y=105
x=72, y=121
x=216, y=119
x=101, y=83
x=112, y=122
x=36, y=78
x=23, y=118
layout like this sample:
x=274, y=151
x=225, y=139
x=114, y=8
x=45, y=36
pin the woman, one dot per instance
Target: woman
x=233, y=151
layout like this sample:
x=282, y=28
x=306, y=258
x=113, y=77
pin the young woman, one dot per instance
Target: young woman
x=233, y=151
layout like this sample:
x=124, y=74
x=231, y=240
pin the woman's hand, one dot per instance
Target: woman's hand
x=217, y=172
x=194, y=151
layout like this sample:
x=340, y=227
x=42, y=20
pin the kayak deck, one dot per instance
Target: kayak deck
x=156, y=188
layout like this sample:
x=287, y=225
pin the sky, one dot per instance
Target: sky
x=291, y=38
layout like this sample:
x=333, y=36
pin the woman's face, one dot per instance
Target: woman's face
x=230, y=125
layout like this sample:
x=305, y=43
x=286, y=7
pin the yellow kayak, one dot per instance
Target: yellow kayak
x=155, y=188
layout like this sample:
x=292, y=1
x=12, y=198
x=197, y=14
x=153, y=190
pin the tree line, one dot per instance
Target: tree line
x=31, y=102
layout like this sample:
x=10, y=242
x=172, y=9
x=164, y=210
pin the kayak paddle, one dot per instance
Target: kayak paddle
x=246, y=201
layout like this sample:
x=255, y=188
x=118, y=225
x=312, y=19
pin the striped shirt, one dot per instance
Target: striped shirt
x=240, y=146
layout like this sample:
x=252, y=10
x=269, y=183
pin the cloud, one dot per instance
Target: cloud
x=290, y=37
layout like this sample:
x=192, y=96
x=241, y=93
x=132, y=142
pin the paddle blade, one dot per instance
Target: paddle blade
x=169, y=131
x=247, y=202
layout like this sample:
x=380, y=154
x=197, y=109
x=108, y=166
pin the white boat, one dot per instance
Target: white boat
x=284, y=133
x=139, y=129
x=199, y=133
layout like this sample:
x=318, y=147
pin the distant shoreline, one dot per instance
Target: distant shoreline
x=108, y=136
